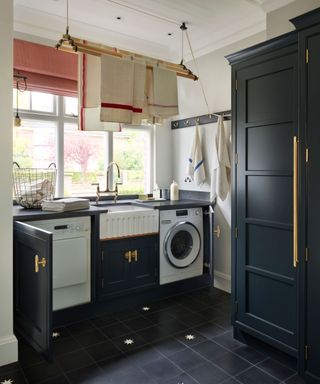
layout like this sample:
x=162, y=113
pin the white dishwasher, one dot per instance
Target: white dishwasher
x=71, y=277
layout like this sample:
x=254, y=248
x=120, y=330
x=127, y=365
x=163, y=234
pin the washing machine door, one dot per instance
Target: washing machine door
x=182, y=244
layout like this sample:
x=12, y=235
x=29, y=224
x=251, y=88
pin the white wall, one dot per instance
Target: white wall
x=163, y=156
x=216, y=76
x=8, y=342
x=278, y=21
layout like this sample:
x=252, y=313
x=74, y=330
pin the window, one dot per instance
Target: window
x=131, y=151
x=49, y=133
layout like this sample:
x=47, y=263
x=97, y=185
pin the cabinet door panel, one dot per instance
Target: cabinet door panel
x=313, y=208
x=115, y=267
x=266, y=121
x=144, y=269
x=33, y=287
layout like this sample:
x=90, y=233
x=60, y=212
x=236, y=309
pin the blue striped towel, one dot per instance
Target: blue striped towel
x=195, y=166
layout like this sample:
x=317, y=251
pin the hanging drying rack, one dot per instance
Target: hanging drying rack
x=74, y=45
x=200, y=120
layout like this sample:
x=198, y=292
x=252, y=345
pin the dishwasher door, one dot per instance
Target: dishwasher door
x=71, y=280
x=70, y=262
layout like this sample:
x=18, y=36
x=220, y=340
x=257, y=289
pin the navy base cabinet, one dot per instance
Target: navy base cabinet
x=128, y=265
x=32, y=258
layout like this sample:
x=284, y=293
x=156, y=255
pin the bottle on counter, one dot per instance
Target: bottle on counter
x=156, y=192
x=174, y=191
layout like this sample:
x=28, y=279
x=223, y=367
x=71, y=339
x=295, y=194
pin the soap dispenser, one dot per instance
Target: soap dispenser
x=174, y=191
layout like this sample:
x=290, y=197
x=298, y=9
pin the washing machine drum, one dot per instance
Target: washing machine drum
x=182, y=244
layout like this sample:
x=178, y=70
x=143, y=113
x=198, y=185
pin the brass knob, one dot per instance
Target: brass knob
x=43, y=263
x=135, y=255
x=128, y=256
x=217, y=231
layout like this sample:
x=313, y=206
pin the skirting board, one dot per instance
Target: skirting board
x=8, y=350
x=222, y=281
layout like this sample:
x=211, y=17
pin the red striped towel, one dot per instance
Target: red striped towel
x=122, y=89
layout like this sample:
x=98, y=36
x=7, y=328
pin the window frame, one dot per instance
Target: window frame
x=60, y=118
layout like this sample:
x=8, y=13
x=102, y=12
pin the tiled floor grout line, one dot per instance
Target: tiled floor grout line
x=173, y=303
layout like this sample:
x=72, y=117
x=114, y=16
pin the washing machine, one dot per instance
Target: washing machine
x=181, y=244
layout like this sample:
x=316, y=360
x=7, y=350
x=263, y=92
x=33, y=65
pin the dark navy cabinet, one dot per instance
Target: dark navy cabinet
x=32, y=259
x=127, y=265
x=265, y=111
x=309, y=42
x=276, y=193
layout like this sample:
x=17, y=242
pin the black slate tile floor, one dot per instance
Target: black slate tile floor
x=183, y=339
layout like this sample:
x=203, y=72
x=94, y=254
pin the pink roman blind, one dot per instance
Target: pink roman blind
x=47, y=69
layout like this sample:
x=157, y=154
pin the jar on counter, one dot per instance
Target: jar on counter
x=174, y=191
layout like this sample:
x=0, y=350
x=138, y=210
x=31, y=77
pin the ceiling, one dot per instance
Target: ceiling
x=144, y=25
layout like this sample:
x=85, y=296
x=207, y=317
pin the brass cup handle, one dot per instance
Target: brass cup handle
x=128, y=256
x=295, y=201
x=217, y=231
x=135, y=255
x=43, y=263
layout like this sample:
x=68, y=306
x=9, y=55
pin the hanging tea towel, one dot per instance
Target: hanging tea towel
x=195, y=166
x=89, y=79
x=89, y=120
x=221, y=167
x=122, y=89
x=162, y=93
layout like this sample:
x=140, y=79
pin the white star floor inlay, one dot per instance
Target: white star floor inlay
x=190, y=337
x=10, y=381
x=128, y=341
x=146, y=309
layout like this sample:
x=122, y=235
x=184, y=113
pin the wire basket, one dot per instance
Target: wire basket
x=33, y=185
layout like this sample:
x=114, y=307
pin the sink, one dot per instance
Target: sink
x=124, y=220
x=126, y=208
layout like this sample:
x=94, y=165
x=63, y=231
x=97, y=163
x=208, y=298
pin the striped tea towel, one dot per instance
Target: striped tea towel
x=122, y=89
x=221, y=166
x=195, y=167
x=162, y=93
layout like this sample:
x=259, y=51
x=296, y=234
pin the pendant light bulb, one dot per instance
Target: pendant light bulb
x=17, y=119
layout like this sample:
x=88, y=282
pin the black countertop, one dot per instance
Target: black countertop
x=20, y=213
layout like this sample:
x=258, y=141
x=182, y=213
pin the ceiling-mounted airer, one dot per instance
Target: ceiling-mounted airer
x=71, y=44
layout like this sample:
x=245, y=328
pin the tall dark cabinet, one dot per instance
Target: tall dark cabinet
x=276, y=193
x=265, y=110
x=309, y=42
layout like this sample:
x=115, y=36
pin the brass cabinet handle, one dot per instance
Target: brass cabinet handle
x=135, y=255
x=217, y=231
x=43, y=263
x=295, y=201
x=128, y=256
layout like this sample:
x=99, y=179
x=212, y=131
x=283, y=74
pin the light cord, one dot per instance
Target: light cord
x=197, y=69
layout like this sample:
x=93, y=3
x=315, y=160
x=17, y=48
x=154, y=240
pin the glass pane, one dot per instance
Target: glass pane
x=43, y=102
x=24, y=99
x=85, y=161
x=34, y=143
x=181, y=245
x=71, y=106
x=131, y=151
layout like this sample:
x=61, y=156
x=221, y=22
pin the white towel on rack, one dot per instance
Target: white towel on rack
x=221, y=166
x=195, y=166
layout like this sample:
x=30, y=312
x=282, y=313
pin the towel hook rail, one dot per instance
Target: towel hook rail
x=200, y=120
